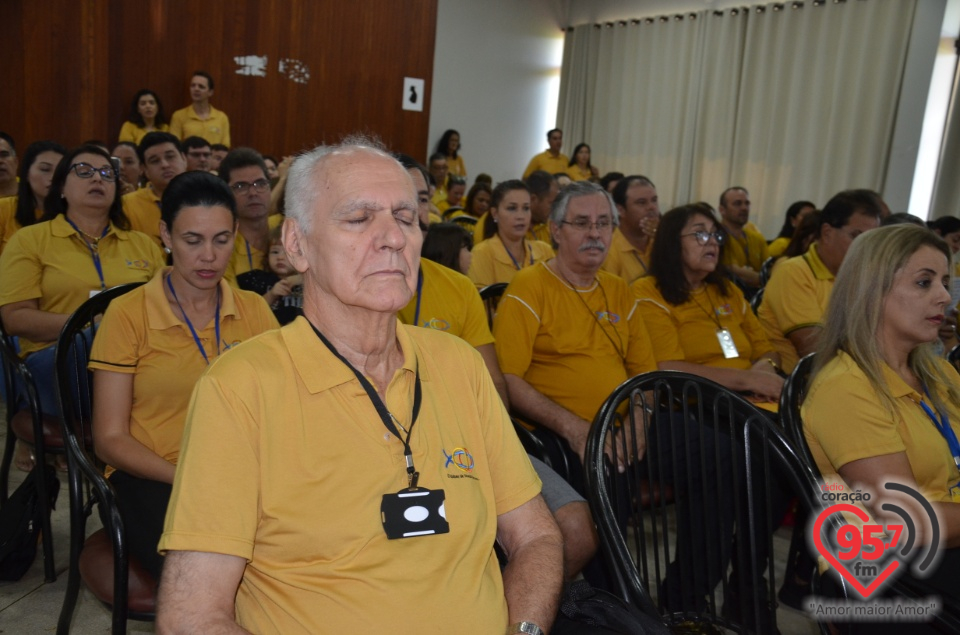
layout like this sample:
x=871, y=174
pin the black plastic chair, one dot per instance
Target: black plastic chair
x=715, y=426
x=101, y=560
x=756, y=300
x=29, y=425
x=765, y=270
x=465, y=221
x=491, y=295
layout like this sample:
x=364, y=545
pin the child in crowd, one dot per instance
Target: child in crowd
x=277, y=282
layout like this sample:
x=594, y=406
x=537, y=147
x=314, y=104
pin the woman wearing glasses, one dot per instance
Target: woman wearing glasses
x=83, y=246
x=699, y=322
x=506, y=249
x=154, y=343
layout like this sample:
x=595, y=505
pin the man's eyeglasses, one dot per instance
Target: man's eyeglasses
x=703, y=237
x=86, y=171
x=260, y=185
x=584, y=225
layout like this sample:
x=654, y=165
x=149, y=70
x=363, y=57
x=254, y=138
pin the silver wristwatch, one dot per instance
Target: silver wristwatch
x=524, y=627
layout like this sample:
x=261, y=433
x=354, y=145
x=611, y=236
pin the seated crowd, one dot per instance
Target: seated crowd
x=231, y=244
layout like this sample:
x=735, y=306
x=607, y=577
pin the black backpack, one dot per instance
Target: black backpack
x=20, y=525
x=588, y=611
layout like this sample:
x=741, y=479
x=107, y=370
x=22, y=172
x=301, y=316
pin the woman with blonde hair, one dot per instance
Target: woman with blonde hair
x=882, y=406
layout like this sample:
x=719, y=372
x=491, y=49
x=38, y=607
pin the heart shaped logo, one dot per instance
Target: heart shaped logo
x=892, y=565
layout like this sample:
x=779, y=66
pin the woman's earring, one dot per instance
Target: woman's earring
x=167, y=250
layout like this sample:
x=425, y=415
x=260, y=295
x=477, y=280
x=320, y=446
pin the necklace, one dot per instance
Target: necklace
x=618, y=344
x=93, y=241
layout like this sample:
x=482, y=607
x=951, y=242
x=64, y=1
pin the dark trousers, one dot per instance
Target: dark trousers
x=143, y=506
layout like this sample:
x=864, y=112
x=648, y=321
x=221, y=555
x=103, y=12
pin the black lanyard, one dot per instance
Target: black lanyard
x=385, y=416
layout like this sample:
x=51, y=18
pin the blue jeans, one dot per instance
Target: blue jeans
x=41, y=366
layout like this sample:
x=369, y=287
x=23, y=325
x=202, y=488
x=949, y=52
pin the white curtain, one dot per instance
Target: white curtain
x=946, y=189
x=792, y=100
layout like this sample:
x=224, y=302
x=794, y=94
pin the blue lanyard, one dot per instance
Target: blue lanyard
x=193, y=331
x=515, y=263
x=94, y=250
x=249, y=255
x=943, y=425
x=416, y=313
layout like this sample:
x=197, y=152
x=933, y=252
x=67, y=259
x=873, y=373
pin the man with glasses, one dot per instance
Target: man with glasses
x=245, y=172
x=198, y=154
x=797, y=294
x=162, y=159
x=8, y=166
x=567, y=333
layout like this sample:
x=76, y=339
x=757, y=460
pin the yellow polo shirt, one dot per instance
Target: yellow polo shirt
x=285, y=461
x=537, y=231
x=573, y=345
x=548, y=163
x=51, y=263
x=142, y=208
x=8, y=219
x=576, y=174
x=688, y=332
x=246, y=257
x=215, y=128
x=133, y=133
x=777, y=247
x=624, y=260
x=491, y=263
x=444, y=205
x=456, y=166
x=844, y=420
x=796, y=297
x=449, y=302
x=141, y=336
x=749, y=251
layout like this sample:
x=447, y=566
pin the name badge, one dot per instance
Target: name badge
x=414, y=512
x=727, y=344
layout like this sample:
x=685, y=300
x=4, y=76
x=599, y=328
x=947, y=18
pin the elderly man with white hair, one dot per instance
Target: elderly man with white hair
x=334, y=475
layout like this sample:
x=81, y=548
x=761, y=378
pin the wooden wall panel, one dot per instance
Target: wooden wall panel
x=81, y=61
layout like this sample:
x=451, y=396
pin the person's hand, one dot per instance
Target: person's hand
x=284, y=166
x=648, y=225
x=577, y=439
x=766, y=386
x=282, y=289
x=596, y=171
x=764, y=366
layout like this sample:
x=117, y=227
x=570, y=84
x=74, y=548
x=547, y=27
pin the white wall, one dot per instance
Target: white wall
x=496, y=77
x=496, y=70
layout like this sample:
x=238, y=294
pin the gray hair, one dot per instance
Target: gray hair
x=577, y=189
x=304, y=181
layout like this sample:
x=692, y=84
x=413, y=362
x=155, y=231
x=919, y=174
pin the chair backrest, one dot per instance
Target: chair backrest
x=490, y=295
x=718, y=452
x=756, y=300
x=794, y=392
x=467, y=222
x=75, y=388
x=765, y=270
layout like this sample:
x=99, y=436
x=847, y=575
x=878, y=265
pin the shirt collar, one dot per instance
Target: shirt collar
x=60, y=228
x=820, y=271
x=319, y=368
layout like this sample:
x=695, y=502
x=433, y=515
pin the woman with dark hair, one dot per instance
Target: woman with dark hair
x=946, y=227
x=449, y=146
x=807, y=231
x=146, y=115
x=795, y=214
x=699, y=322
x=36, y=172
x=580, y=167
x=448, y=244
x=478, y=199
x=83, y=246
x=153, y=345
x=131, y=170
x=505, y=249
